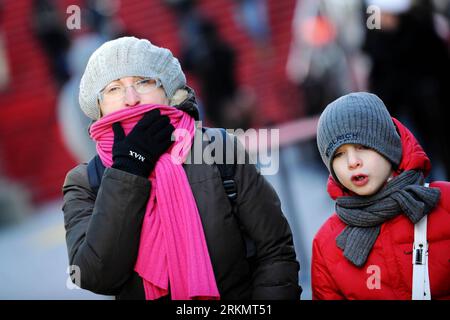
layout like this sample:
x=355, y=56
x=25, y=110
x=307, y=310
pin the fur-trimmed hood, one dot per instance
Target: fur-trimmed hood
x=184, y=100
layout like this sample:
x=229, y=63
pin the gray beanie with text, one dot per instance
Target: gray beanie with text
x=126, y=57
x=358, y=118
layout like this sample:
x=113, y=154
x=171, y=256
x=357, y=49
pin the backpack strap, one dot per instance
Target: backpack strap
x=421, y=280
x=227, y=173
x=226, y=170
x=95, y=170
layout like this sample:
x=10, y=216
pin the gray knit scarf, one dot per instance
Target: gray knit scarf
x=365, y=215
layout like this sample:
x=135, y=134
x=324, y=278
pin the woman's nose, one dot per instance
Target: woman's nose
x=132, y=98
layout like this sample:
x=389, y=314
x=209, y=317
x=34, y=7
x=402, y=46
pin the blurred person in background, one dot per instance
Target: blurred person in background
x=324, y=57
x=214, y=63
x=102, y=24
x=411, y=71
x=377, y=172
x=326, y=36
x=101, y=17
x=253, y=17
x=143, y=224
x=52, y=34
x=206, y=55
x=73, y=122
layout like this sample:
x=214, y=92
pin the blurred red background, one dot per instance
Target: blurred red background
x=32, y=151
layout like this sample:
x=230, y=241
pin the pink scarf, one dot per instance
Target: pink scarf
x=172, y=247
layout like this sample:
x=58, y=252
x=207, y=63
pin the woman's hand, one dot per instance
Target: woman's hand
x=138, y=152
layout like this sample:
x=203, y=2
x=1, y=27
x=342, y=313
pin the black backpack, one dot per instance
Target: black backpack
x=96, y=169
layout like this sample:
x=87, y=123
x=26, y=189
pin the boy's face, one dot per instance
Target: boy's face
x=361, y=169
x=128, y=92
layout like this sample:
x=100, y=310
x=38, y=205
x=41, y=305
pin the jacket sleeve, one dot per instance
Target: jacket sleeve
x=259, y=212
x=323, y=285
x=102, y=233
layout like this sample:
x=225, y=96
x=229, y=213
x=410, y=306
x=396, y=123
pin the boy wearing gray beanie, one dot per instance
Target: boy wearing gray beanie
x=377, y=170
x=359, y=119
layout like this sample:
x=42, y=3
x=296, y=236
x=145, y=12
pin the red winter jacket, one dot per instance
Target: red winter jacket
x=387, y=273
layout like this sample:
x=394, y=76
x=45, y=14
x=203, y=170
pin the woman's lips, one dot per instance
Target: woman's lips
x=360, y=180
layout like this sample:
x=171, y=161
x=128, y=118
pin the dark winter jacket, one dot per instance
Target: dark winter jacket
x=103, y=232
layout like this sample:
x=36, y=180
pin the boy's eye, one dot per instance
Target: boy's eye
x=338, y=154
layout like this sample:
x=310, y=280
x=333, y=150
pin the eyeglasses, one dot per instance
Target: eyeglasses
x=116, y=92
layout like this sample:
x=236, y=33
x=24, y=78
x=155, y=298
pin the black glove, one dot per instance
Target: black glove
x=138, y=152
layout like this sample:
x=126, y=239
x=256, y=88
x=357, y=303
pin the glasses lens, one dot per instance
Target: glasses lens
x=145, y=85
x=117, y=92
x=113, y=93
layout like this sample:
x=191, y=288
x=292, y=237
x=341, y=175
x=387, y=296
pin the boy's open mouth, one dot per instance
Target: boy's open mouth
x=360, y=179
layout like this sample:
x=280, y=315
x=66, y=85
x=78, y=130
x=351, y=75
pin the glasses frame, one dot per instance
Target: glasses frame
x=101, y=99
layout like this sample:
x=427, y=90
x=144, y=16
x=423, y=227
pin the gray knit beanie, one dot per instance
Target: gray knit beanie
x=126, y=57
x=359, y=118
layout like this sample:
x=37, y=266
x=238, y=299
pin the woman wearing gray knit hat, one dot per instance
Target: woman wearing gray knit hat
x=141, y=221
x=383, y=209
